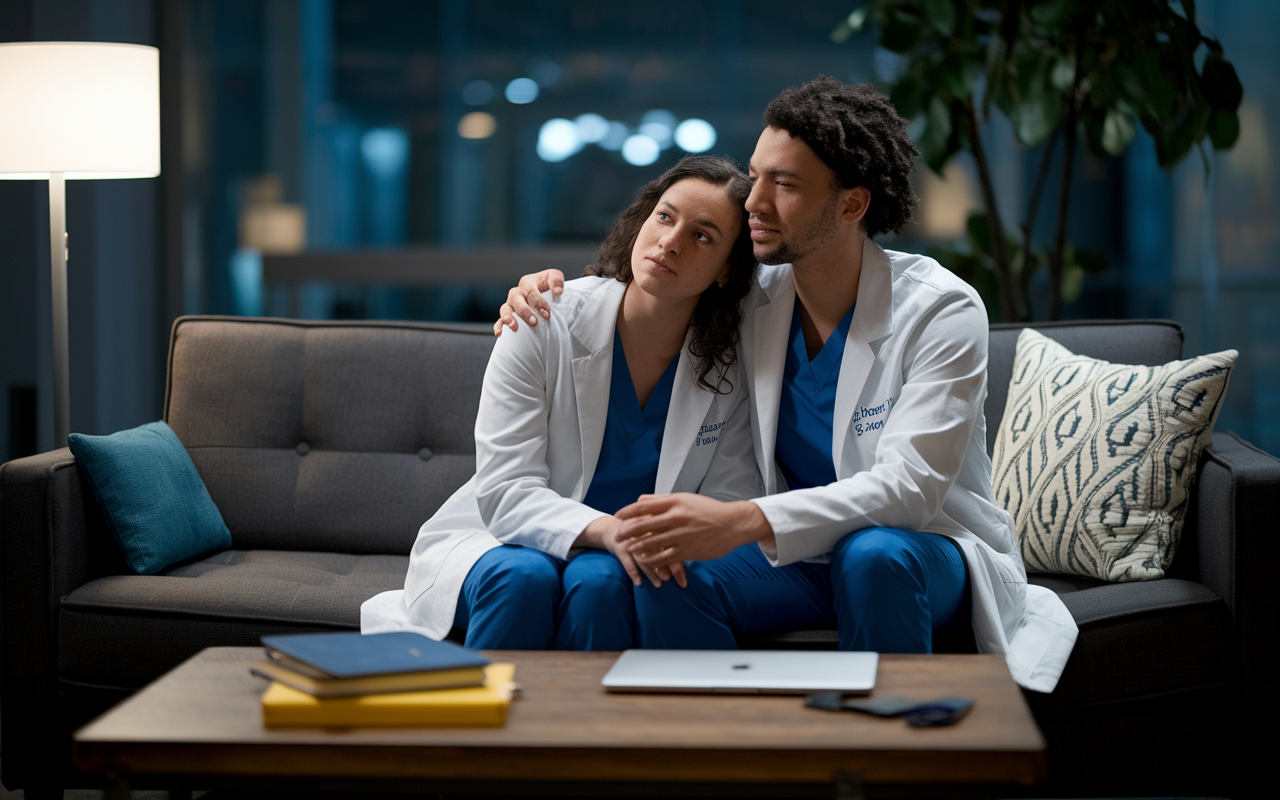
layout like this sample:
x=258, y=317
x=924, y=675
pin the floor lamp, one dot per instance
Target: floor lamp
x=76, y=111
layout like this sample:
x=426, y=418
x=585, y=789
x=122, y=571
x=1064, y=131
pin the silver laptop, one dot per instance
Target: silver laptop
x=742, y=671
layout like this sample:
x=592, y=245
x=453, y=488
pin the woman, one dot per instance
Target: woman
x=632, y=387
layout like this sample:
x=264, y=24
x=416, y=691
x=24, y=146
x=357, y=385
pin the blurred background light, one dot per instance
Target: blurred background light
x=592, y=128
x=558, y=139
x=640, y=150
x=658, y=125
x=545, y=72
x=477, y=125
x=522, y=90
x=695, y=136
x=477, y=93
x=614, y=139
x=385, y=150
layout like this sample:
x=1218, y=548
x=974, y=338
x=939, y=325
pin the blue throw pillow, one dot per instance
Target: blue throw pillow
x=155, y=504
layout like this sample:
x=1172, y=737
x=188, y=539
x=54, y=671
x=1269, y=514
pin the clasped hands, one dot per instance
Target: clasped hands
x=655, y=535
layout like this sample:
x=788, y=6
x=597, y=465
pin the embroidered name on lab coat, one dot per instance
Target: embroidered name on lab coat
x=872, y=418
x=708, y=434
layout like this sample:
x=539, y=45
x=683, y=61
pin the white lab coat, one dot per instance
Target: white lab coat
x=909, y=444
x=538, y=435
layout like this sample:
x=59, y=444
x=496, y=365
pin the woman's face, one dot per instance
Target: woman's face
x=684, y=245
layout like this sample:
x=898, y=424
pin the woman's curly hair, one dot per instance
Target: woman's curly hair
x=719, y=312
x=857, y=132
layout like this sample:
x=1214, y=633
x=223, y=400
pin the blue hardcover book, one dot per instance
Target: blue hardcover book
x=352, y=655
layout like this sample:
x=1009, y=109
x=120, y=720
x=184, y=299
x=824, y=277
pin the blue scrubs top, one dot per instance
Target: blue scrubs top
x=628, y=463
x=807, y=412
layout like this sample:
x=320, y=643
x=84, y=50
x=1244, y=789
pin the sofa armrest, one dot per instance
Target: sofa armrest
x=1237, y=508
x=52, y=540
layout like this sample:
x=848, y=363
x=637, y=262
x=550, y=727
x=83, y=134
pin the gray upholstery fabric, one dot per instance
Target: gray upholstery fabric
x=123, y=630
x=1150, y=342
x=327, y=436
x=1138, y=639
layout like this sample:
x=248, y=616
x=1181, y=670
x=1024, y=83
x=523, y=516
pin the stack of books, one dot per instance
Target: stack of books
x=399, y=679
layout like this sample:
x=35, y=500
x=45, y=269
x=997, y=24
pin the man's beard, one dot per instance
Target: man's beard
x=821, y=231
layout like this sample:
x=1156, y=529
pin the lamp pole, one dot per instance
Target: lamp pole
x=58, y=269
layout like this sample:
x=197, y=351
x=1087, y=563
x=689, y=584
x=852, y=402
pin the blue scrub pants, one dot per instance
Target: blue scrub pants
x=885, y=590
x=519, y=598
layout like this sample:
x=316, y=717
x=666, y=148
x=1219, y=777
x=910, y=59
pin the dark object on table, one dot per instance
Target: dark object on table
x=920, y=713
x=942, y=711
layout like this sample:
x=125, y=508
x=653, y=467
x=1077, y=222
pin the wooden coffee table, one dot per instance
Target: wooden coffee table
x=200, y=726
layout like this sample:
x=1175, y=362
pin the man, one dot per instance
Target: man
x=868, y=374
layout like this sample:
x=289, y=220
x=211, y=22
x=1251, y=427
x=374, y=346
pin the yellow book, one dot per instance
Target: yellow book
x=474, y=707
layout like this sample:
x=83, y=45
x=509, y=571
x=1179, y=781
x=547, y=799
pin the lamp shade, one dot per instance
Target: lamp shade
x=85, y=109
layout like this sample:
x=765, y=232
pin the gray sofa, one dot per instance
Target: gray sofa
x=325, y=445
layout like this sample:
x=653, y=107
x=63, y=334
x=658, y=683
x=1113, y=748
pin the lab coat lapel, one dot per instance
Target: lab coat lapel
x=772, y=323
x=685, y=415
x=593, y=330
x=872, y=321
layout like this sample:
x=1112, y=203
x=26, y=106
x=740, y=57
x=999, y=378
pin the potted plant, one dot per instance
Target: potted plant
x=1084, y=73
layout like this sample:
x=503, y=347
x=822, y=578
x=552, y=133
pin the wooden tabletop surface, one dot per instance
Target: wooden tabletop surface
x=204, y=718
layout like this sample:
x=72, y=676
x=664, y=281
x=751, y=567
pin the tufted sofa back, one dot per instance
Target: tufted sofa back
x=329, y=436
x=346, y=436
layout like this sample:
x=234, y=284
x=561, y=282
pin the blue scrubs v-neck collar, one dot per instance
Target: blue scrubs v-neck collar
x=806, y=412
x=632, y=443
x=626, y=404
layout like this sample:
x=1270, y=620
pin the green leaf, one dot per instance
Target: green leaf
x=955, y=77
x=1220, y=84
x=854, y=23
x=1072, y=283
x=1092, y=262
x=1224, y=129
x=1055, y=14
x=1145, y=85
x=1036, y=117
x=1178, y=134
x=935, y=143
x=979, y=233
x=1063, y=76
x=900, y=32
x=907, y=96
x=941, y=14
x=1118, y=130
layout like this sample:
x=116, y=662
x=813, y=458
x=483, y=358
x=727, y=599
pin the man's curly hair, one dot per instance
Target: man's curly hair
x=857, y=132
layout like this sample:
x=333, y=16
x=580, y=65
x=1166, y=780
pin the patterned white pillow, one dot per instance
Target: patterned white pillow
x=1094, y=461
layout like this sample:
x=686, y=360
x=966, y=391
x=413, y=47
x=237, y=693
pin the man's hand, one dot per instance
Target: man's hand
x=667, y=529
x=527, y=298
x=602, y=534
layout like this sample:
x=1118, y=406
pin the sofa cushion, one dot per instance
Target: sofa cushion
x=327, y=436
x=1149, y=342
x=125, y=630
x=150, y=495
x=1138, y=640
x=1094, y=461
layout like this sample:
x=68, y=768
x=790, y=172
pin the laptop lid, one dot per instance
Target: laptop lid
x=742, y=671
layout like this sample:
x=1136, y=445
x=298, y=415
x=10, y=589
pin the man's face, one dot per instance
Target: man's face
x=793, y=202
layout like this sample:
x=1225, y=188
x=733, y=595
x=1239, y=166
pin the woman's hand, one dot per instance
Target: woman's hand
x=526, y=298
x=661, y=530
x=602, y=534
